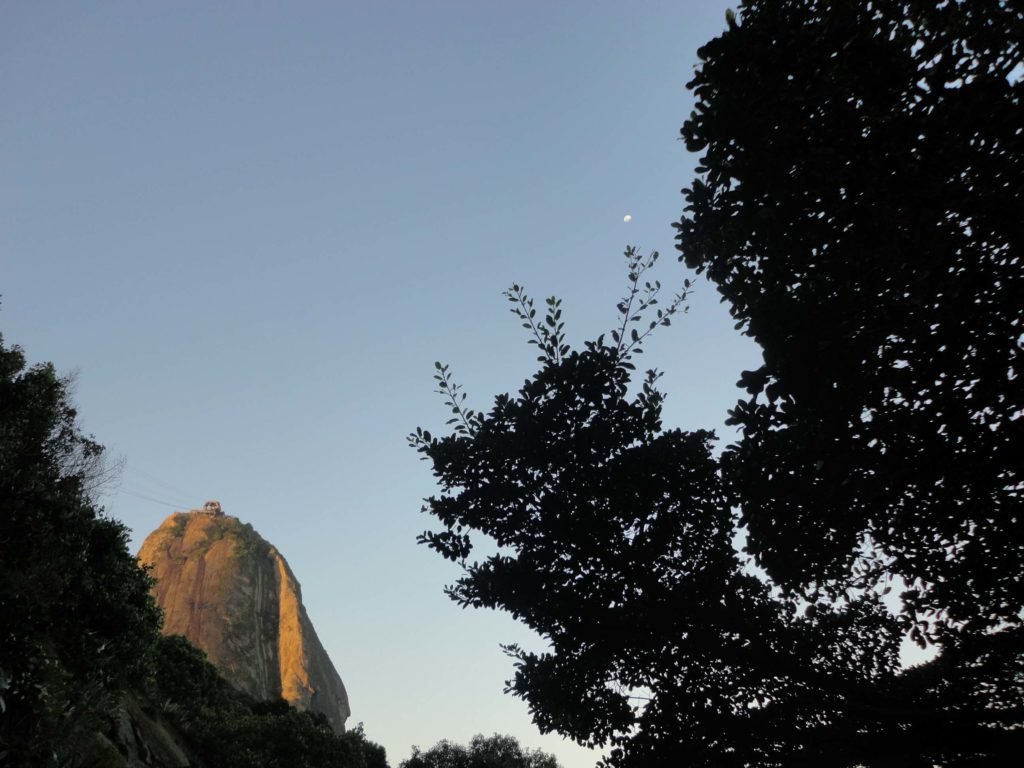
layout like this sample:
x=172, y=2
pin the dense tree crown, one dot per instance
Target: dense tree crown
x=78, y=622
x=858, y=207
x=495, y=751
x=860, y=210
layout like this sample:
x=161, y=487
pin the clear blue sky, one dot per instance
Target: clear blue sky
x=252, y=228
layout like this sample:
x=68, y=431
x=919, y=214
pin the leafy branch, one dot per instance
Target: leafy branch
x=549, y=335
x=638, y=300
x=466, y=421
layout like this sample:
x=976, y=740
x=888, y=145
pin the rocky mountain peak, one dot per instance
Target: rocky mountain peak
x=231, y=593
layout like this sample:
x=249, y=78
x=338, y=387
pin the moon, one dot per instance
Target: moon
x=627, y=218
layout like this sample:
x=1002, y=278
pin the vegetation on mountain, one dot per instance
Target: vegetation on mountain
x=80, y=643
x=225, y=728
x=495, y=751
x=78, y=621
x=231, y=593
x=855, y=208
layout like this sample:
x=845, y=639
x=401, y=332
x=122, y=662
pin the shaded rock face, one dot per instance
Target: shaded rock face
x=226, y=589
x=137, y=740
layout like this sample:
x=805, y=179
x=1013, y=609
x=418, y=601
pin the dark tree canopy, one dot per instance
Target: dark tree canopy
x=859, y=208
x=225, y=728
x=77, y=619
x=616, y=547
x=495, y=751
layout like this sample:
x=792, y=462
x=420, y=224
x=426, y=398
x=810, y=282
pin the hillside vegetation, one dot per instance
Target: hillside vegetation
x=85, y=677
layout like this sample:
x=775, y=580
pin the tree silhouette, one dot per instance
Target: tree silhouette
x=858, y=208
x=78, y=621
x=495, y=751
x=860, y=211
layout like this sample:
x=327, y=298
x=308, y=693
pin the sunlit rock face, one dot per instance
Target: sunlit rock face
x=232, y=594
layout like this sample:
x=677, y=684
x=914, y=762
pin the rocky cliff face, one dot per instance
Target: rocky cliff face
x=232, y=594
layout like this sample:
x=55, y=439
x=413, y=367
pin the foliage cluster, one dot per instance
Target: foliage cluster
x=178, y=528
x=859, y=211
x=857, y=207
x=615, y=542
x=245, y=540
x=80, y=630
x=78, y=621
x=227, y=729
x=495, y=751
